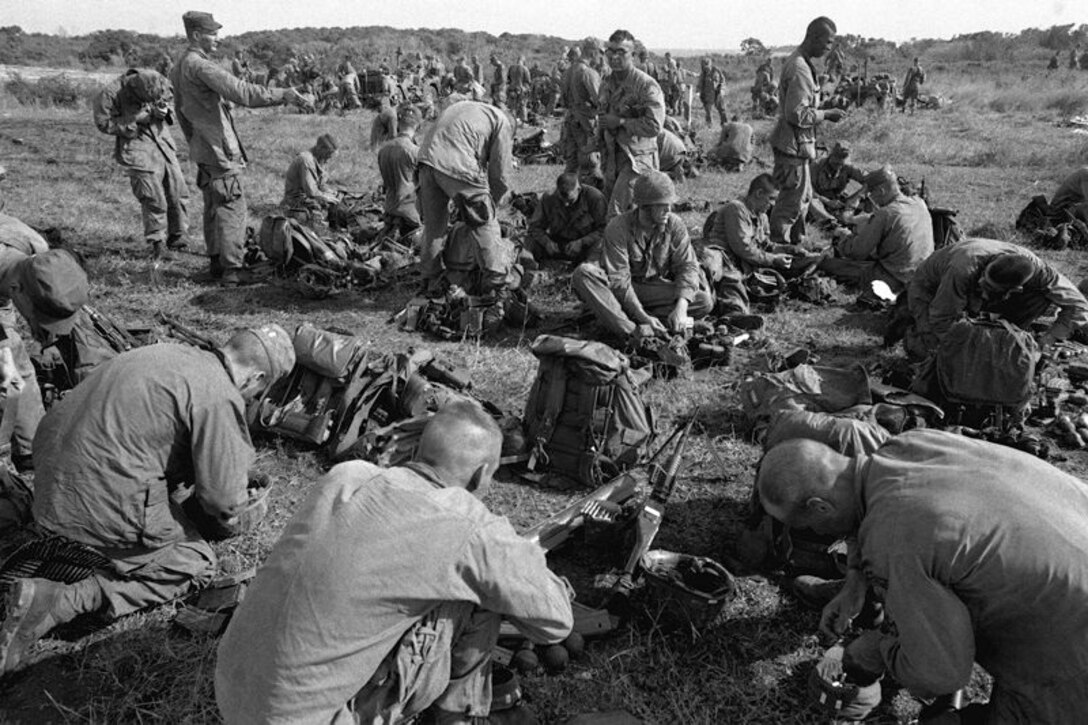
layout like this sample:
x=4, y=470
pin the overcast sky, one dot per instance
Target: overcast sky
x=696, y=24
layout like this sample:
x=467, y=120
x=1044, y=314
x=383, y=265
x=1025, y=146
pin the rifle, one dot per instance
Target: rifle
x=648, y=521
x=185, y=333
x=554, y=530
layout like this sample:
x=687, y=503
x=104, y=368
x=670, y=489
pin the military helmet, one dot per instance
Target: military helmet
x=654, y=187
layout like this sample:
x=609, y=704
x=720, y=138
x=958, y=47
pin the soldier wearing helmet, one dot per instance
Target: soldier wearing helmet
x=648, y=273
x=141, y=464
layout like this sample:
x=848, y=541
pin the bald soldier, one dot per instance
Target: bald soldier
x=793, y=139
x=142, y=462
x=383, y=596
x=978, y=552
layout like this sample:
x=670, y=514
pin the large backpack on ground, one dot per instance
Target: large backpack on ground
x=985, y=368
x=584, y=418
x=340, y=387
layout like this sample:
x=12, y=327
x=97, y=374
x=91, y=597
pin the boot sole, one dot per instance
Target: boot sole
x=20, y=599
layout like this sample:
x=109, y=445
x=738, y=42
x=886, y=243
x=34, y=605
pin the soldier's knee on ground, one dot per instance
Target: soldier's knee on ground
x=586, y=277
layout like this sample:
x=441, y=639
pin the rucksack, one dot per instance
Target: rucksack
x=803, y=387
x=290, y=245
x=584, y=418
x=986, y=367
x=946, y=230
x=94, y=339
x=340, y=386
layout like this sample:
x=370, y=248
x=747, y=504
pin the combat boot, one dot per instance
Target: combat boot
x=34, y=607
x=237, y=278
x=159, y=253
x=814, y=592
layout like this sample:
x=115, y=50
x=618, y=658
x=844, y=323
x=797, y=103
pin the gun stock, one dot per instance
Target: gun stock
x=556, y=529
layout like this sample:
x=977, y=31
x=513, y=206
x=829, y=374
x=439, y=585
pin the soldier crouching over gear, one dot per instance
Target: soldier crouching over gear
x=397, y=163
x=136, y=110
x=305, y=195
x=142, y=462
x=569, y=222
x=977, y=551
x=383, y=596
x=648, y=273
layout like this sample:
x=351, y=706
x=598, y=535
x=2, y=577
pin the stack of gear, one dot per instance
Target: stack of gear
x=536, y=149
x=341, y=389
x=584, y=418
x=456, y=315
x=359, y=215
x=323, y=266
x=707, y=343
x=94, y=338
x=1051, y=227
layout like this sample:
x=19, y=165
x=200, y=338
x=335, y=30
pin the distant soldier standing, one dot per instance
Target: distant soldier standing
x=916, y=76
x=581, y=98
x=137, y=110
x=632, y=114
x=498, y=82
x=794, y=136
x=517, y=91
x=712, y=92
x=204, y=94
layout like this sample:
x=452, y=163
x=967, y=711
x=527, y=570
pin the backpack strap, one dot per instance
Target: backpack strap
x=553, y=374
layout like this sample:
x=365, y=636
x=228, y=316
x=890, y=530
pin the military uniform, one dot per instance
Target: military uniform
x=304, y=188
x=672, y=155
x=498, y=84
x=581, y=96
x=745, y=237
x=111, y=459
x=384, y=126
x=946, y=287
x=397, y=162
x=1072, y=194
x=517, y=91
x=204, y=94
x=652, y=269
x=146, y=151
x=383, y=596
x=793, y=141
x=468, y=151
x=978, y=550
x=581, y=223
x=631, y=149
x=889, y=247
x=17, y=242
x=712, y=93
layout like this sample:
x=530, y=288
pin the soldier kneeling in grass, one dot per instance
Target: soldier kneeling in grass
x=136, y=468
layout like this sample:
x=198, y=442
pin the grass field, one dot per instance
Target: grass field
x=986, y=153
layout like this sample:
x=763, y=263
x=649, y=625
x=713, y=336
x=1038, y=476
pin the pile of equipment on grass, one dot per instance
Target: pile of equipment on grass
x=536, y=149
x=1051, y=227
x=361, y=257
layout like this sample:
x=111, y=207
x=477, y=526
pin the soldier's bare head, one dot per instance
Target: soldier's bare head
x=620, y=51
x=819, y=37
x=762, y=193
x=463, y=444
x=806, y=484
x=324, y=147
x=258, y=357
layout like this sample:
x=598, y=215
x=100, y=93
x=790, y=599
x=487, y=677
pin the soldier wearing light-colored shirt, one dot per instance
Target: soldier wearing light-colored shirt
x=305, y=191
x=384, y=594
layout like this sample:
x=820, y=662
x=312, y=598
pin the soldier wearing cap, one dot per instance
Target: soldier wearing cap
x=631, y=114
x=648, y=273
x=888, y=247
x=48, y=288
x=305, y=193
x=398, y=161
x=136, y=109
x=143, y=462
x=204, y=94
x=711, y=85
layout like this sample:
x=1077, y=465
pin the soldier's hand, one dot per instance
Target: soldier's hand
x=656, y=325
x=834, y=115
x=782, y=261
x=610, y=121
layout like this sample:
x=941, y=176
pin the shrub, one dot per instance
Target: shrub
x=57, y=91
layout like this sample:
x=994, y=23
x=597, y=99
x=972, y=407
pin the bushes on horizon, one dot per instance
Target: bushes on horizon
x=58, y=91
